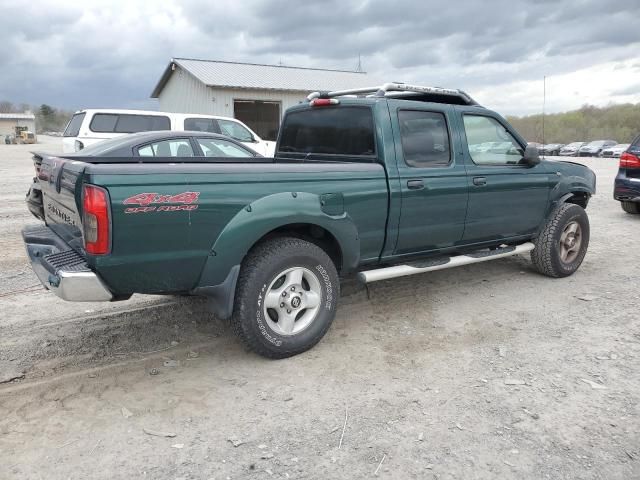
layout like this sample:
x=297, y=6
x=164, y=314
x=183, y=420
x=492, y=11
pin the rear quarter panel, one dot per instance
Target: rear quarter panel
x=157, y=249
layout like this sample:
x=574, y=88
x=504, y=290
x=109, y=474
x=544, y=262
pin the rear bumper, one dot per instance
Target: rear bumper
x=61, y=269
x=626, y=189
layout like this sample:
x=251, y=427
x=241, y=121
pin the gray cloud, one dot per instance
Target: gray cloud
x=111, y=53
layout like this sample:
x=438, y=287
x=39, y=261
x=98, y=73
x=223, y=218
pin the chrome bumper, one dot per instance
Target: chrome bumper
x=61, y=269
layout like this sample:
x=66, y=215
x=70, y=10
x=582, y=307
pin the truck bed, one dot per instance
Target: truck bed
x=167, y=217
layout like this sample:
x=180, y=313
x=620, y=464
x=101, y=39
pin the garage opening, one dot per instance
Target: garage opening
x=263, y=117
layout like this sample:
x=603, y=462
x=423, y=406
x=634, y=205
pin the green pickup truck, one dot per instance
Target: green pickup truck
x=375, y=183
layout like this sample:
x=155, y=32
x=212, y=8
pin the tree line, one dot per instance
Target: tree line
x=613, y=122
x=48, y=118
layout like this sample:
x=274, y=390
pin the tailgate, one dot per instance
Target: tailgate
x=61, y=182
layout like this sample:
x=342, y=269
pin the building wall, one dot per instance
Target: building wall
x=184, y=94
x=7, y=126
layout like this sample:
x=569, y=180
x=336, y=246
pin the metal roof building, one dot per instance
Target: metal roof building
x=256, y=94
x=9, y=122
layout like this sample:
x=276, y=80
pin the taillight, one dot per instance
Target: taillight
x=629, y=160
x=95, y=202
x=323, y=102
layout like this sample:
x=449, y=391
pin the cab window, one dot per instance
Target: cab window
x=490, y=143
x=201, y=125
x=425, y=138
x=128, y=123
x=343, y=130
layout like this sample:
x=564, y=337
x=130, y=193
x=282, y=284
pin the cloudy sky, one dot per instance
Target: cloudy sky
x=93, y=53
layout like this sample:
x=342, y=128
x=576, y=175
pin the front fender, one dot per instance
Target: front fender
x=572, y=178
x=269, y=213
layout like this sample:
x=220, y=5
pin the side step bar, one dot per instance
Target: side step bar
x=440, y=263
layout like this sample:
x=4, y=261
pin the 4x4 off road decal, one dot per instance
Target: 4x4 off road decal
x=159, y=202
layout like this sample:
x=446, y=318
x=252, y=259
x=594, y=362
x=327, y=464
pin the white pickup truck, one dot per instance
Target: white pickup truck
x=90, y=126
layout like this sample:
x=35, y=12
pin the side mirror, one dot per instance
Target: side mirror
x=531, y=156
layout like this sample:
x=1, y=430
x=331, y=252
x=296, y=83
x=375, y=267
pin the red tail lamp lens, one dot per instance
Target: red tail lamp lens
x=95, y=201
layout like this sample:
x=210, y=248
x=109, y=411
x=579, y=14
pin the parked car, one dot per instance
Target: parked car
x=627, y=183
x=90, y=126
x=551, y=149
x=615, y=150
x=380, y=186
x=594, y=149
x=571, y=149
x=194, y=146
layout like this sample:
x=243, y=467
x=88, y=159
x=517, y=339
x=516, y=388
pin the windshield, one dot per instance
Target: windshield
x=575, y=144
x=597, y=143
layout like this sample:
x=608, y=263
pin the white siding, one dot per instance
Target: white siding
x=7, y=126
x=184, y=94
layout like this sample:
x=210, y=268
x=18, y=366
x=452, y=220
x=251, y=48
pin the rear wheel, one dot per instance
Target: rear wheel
x=562, y=244
x=285, y=298
x=631, y=207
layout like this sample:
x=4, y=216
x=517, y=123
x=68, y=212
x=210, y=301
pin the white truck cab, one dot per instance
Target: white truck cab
x=90, y=126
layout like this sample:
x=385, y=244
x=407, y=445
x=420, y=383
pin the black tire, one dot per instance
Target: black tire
x=546, y=256
x=260, y=268
x=631, y=207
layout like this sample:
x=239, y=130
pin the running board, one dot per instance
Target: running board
x=440, y=263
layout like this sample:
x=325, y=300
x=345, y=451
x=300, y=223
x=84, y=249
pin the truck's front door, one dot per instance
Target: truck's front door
x=432, y=177
x=507, y=198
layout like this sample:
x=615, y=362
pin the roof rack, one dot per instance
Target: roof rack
x=395, y=87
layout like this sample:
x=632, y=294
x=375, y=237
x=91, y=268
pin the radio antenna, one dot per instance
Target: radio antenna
x=544, y=102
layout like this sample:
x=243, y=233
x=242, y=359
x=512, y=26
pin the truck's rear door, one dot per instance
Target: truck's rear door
x=432, y=176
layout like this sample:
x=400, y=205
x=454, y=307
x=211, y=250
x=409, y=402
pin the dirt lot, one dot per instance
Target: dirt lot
x=487, y=371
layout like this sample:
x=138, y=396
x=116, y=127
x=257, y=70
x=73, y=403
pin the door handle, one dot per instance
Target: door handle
x=479, y=181
x=415, y=184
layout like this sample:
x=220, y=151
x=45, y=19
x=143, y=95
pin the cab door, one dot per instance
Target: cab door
x=507, y=198
x=432, y=178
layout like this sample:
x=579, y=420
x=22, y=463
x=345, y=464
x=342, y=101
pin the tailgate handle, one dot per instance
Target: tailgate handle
x=479, y=181
x=415, y=184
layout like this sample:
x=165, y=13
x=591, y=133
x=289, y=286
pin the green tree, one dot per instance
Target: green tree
x=613, y=122
x=46, y=117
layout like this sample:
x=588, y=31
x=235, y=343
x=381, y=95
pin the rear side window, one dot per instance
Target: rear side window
x=329, y=130
x=201, y=125
x=73, y=128
x=128, y=123
x=425, y=138
x=174, y=147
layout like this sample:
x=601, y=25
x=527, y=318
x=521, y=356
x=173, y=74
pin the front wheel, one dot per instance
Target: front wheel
x=562, y=244
x=631, y=207
x=285, y=298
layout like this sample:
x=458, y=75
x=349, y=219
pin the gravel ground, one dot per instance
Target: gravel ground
x=486, y=371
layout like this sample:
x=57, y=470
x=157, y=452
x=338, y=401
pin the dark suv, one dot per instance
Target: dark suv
x=627, y=183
